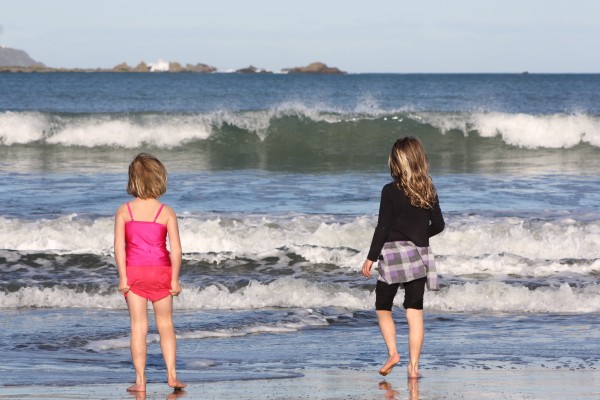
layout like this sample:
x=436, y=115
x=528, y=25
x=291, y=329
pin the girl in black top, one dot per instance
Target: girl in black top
x=409, y=211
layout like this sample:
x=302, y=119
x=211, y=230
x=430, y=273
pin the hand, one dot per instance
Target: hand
x=123, y=286
x=366, y=269
x=175, y=288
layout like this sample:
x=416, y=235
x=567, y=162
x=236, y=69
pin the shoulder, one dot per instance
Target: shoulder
x=122, y=210
x=168, y=211
x=389, y=187
x=436, y=204
x=122, y=214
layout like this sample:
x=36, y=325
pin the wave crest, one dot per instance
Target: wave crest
x=291, y=120
x=318, y=239
x=300, y=293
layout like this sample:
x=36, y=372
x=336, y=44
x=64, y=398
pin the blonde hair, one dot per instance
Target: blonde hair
x=410, y=169
x=147, y=177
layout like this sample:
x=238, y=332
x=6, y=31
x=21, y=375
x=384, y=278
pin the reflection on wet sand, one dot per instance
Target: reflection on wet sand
x=172, y=396
x=391, y=394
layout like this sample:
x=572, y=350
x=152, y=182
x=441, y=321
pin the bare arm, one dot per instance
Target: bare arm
x=119, y=247
x=175, y=248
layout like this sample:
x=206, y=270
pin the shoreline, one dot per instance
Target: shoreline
x=534, y=383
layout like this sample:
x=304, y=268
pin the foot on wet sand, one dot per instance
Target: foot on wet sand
x=137, y=388
x=390, y=364
x=175, y=384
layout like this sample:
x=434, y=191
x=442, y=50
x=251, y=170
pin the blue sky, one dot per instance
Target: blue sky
x=356, y=36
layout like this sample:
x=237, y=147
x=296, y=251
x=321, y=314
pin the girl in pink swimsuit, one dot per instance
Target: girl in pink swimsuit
x=147, y=270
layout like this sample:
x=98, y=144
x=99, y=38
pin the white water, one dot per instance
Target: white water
x=319, y=239
x=164, y=131
x=173, y=130
x=299, y=293
x=294, y=321
x=524, y=130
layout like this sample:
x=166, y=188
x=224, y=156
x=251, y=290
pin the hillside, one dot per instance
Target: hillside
x=16, y=58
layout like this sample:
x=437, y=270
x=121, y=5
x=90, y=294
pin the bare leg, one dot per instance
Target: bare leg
x=163, y=311
x=416, y=334
x=138, y=313
x=388, y=331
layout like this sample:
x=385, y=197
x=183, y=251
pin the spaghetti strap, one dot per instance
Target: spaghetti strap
x=158, y=213
x=130, y=213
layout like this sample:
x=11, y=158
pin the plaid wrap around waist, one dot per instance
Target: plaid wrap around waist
x=403, y=261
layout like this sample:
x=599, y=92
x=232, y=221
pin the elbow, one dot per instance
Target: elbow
x=437, y=228
x=441, y=227
x=177, y=253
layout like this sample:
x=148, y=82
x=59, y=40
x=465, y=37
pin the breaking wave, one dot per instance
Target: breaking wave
x=293, y=123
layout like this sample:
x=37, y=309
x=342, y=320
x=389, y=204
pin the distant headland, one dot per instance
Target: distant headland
x=14, y=60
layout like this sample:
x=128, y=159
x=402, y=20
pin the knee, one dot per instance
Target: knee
x=383, y=304
x=140, y=328
x=164, y=324
x=415, y=303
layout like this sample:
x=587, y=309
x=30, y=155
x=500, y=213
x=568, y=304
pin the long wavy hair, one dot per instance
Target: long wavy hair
x=410, y=170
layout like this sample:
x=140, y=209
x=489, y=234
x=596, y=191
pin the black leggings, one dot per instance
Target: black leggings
x=413, y=294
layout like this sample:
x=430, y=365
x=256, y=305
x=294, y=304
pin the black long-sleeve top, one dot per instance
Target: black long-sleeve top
x=400, y=220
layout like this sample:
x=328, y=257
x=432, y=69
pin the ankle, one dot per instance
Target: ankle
x=171, y=375
x=413, y=368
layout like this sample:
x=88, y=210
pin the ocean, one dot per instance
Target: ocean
x=276, y=181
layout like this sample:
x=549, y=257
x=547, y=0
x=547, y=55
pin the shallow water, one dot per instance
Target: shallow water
x=276, y=182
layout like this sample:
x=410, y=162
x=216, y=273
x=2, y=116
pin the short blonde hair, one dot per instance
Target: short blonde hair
x=410, y=169
x=147, y=177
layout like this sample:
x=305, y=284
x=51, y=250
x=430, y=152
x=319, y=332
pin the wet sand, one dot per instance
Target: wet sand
x=336, y=384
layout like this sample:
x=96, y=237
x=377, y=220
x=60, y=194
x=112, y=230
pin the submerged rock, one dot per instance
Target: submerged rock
x=202, y=68
x=252, y=70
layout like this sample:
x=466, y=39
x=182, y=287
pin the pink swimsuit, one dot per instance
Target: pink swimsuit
x=148, y=262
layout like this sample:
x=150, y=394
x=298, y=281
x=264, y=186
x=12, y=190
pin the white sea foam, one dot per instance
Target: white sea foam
x=66, y=234
x=174, y=130
x=503, y=266
x=524, y=130
x=480, y=243
x=133, y=131
x=497, y=296
x=129, y=134
x=284, y=292
x=534, y=240
x=60, y=297
x=299, y=293
x=20, y=128
x=300, y=319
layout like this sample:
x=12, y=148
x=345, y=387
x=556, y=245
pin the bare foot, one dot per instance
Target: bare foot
x=175, y=384
x=390, y=364
x=137, y=388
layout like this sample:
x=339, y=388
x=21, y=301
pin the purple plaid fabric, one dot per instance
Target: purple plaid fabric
x=402, y=261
